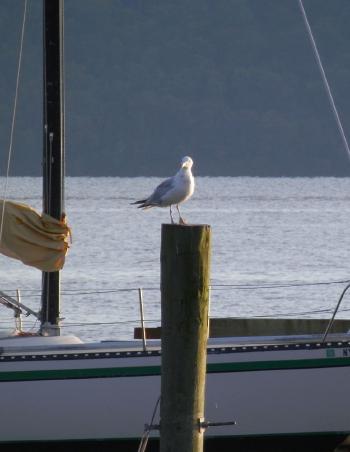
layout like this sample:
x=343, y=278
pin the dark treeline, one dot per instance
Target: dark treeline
x=233, y=83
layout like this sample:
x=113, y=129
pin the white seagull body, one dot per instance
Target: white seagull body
x=172, y=191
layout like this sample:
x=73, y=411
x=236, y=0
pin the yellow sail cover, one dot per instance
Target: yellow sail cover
x=37, y=240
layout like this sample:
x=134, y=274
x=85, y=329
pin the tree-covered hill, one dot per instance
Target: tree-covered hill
x=233, y=83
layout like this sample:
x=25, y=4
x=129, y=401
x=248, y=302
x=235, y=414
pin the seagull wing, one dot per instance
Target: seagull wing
x=156, y=197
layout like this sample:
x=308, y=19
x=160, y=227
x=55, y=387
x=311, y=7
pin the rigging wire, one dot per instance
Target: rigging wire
x=275, y=285
x=13, y=118
x=324, y=77
x=64, y=325
x=72, y=292
x=63, y=96
x=220, y=287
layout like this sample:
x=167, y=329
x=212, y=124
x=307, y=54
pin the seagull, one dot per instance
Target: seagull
x=172, y=191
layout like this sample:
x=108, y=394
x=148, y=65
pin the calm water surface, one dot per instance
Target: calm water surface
x=278, y=233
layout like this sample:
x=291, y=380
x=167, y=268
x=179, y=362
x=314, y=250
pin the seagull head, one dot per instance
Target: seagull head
x=186, y=162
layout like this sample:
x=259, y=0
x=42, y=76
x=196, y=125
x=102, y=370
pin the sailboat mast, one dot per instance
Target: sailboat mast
x=53, y=157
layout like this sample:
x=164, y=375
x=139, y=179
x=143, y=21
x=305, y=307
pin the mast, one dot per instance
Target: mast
x=53, y=156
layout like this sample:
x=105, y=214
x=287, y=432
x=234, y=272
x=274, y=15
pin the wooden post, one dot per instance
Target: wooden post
x=185, y=265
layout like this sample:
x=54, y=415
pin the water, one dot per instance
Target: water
x=274, y=232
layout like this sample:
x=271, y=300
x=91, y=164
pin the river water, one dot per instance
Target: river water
x=280, y=248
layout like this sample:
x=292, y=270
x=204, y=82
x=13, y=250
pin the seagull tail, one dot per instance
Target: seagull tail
x=143, y=204
x=142, y=201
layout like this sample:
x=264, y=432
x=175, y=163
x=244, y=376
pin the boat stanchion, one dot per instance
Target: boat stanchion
x=142, y=316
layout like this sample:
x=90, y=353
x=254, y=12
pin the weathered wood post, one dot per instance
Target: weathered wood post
x=185, y=265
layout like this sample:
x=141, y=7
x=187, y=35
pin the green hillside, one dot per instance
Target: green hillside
x=233, y=83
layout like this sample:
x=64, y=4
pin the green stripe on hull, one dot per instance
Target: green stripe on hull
x=278, y=365
x=63, y=374
x=145, y=371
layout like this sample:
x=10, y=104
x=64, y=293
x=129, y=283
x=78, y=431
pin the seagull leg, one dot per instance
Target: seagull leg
x=171, y=216
x=181, y=220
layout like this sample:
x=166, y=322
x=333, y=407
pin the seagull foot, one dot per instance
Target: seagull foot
x=182, y=221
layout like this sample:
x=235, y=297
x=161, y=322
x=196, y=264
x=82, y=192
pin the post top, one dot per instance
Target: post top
x=176, y=225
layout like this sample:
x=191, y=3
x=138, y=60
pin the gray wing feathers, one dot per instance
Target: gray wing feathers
x=156, y=197
x=160, y=191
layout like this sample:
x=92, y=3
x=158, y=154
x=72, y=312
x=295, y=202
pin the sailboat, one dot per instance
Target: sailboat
x=284, y=382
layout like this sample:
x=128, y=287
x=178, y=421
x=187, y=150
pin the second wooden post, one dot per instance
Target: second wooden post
x=185, y=268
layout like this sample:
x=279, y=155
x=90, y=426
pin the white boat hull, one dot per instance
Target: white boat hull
x=110, y=393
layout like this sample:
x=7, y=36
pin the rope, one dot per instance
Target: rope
x=324, y=78
x=13, y=118
x=146, y=433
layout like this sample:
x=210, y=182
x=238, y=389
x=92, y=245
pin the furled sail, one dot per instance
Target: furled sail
x=35, y=239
